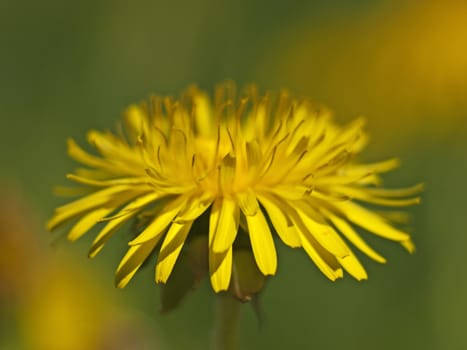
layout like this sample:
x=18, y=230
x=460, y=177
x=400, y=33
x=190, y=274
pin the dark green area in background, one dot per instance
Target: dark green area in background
x=68, y=66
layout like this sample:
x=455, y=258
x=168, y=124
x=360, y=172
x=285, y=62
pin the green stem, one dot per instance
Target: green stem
x=226, y=326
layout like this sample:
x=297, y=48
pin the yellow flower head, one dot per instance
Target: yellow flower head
x=253, y=166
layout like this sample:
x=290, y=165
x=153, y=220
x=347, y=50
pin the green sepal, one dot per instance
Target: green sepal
x=190, y=269
x=246, y=280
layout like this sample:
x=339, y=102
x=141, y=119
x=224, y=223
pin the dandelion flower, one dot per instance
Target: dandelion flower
x=257, y=167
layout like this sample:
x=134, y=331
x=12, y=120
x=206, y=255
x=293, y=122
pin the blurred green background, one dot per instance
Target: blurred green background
x=68, y=66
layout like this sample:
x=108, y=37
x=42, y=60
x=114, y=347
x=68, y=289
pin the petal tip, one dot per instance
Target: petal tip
x=95, y=249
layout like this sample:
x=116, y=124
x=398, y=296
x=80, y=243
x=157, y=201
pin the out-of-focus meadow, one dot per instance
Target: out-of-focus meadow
x=68, y=66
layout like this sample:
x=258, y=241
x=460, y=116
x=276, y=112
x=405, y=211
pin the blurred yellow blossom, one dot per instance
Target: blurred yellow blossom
x=403, y=64
x=53, y=304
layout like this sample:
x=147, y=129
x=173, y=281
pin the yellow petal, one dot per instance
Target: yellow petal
x=170, y=250
x=220, y=269
x=197, y=205
x=214, y=219
x=127, y=212
x=227, y=173
x=324, y=234
x=161, y=221
x=398, y=217
x=253, y=153
x=203, y=114
x=278, y=216
x=351, y=264
x=108, y=144
x=178, y=142
x=261, y=118
x=133, y=259
x=88, y=221
x=291, y=192
x=372, y=179
x=241, y=162
x=135, y=122
x=354, y=238
x=247, y=201
x=333, y=162
x=108, y=183
x=227, y=226
x=341, y=179
x=349, y=131
x=262, y=243
x=92, y=173
x=309, y=244
x=370, y=221
x=78, y=154
x=363, y=195
x=408, y=245
x=403, y=192
x=123, y=160
x=91, y=201
x=379, y=167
